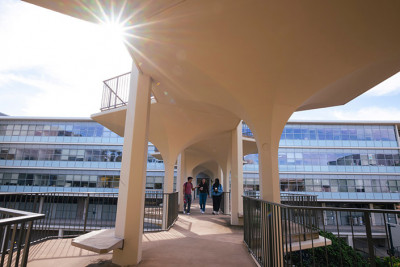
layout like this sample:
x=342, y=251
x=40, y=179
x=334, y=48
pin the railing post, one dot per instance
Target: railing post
x=41, y=203
x=116, y=93
x=60, y=233
x=165, y=212
x=85, y=213
x=109, y=99
x=369, y=238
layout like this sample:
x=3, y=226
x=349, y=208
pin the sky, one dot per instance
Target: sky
x=54, y=65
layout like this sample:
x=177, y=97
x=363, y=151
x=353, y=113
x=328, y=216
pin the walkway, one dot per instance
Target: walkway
x=195, y=240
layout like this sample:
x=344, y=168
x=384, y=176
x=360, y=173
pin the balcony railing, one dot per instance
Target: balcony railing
x=70, y=214
x=286, y=235
x=115, y=92
x=15, y=233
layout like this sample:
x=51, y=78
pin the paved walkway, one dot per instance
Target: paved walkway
x=194, y=240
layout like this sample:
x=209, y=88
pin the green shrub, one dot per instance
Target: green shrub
x=337, y=254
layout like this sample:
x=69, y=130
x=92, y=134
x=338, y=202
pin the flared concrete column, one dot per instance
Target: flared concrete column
x=181, y=178
x=168, y=188
x=226, y=171
x=169, y=176
x=220, y=175
x=237, y=176
x=130, y=210
x=269, y=172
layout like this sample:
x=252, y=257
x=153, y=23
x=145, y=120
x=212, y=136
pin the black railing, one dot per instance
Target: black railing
x=172, y=202
x=153, y=212
x=252, y=193
x=67, y=214
x=71, y=214
x=285, y=235
x=15, y=235
x=115, y=92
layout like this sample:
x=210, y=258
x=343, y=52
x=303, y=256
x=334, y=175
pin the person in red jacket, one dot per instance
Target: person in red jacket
x=187, y=195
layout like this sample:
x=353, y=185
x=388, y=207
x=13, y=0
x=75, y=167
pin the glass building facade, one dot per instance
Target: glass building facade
x=336, y=161
x=70, y=155
x=346, y=161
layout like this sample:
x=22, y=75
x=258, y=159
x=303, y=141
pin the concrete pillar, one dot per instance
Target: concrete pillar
x=180, y=179
x=373, y=219
x=325, y=219
x=350, y=241
x=194, y=185
x=41, y=203
x=99, y=211
x=225, y=184
x=237, y=176
x=168, y=176
x=130, y=210
x=220, y=174
x=269, y=172
x=267, y=133
x=168, y=188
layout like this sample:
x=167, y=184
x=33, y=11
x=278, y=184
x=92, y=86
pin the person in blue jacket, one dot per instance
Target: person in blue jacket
x=216, y=193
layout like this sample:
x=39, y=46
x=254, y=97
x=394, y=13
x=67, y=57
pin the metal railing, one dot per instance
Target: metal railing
x=299, y=199
x=15, y=233
x=115, y=92
x=70, y=214
x=172, y=202
x=285, y=235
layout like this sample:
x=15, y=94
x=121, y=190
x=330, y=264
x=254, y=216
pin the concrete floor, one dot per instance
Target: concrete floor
x=194, y=240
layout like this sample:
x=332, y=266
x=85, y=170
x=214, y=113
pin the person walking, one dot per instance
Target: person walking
x=187, y=196
x=216, y=193
x=203, y=189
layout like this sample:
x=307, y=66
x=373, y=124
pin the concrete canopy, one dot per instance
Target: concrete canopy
x=174, y=128
x=218, y=62
x=253, y=56
x=258, y=60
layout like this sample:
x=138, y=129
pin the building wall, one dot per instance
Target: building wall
x=347, y=161
x=70, y=155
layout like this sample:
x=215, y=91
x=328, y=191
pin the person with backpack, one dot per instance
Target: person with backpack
x=216, y=193
x=187, y=195
x=203, y=189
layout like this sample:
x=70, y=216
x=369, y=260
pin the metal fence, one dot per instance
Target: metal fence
x=172, y=202
x=115, y=92
x=71, y=214
x=285, y=235
x=15, y=233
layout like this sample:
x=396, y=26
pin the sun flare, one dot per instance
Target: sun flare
x=115, y=30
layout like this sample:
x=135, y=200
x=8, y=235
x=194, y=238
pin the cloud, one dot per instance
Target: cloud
x=374, y=113
x=60, y=60
x=369, y=113
x=390, y=86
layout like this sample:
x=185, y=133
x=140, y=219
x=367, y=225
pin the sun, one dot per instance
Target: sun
x=115, y=30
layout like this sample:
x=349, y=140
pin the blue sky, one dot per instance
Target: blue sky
x=54, y=65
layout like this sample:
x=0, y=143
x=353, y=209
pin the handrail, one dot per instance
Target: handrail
x=325, y=208
x=288, y=235
x=21, y=216
x=15, y=233
x=117, y=76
